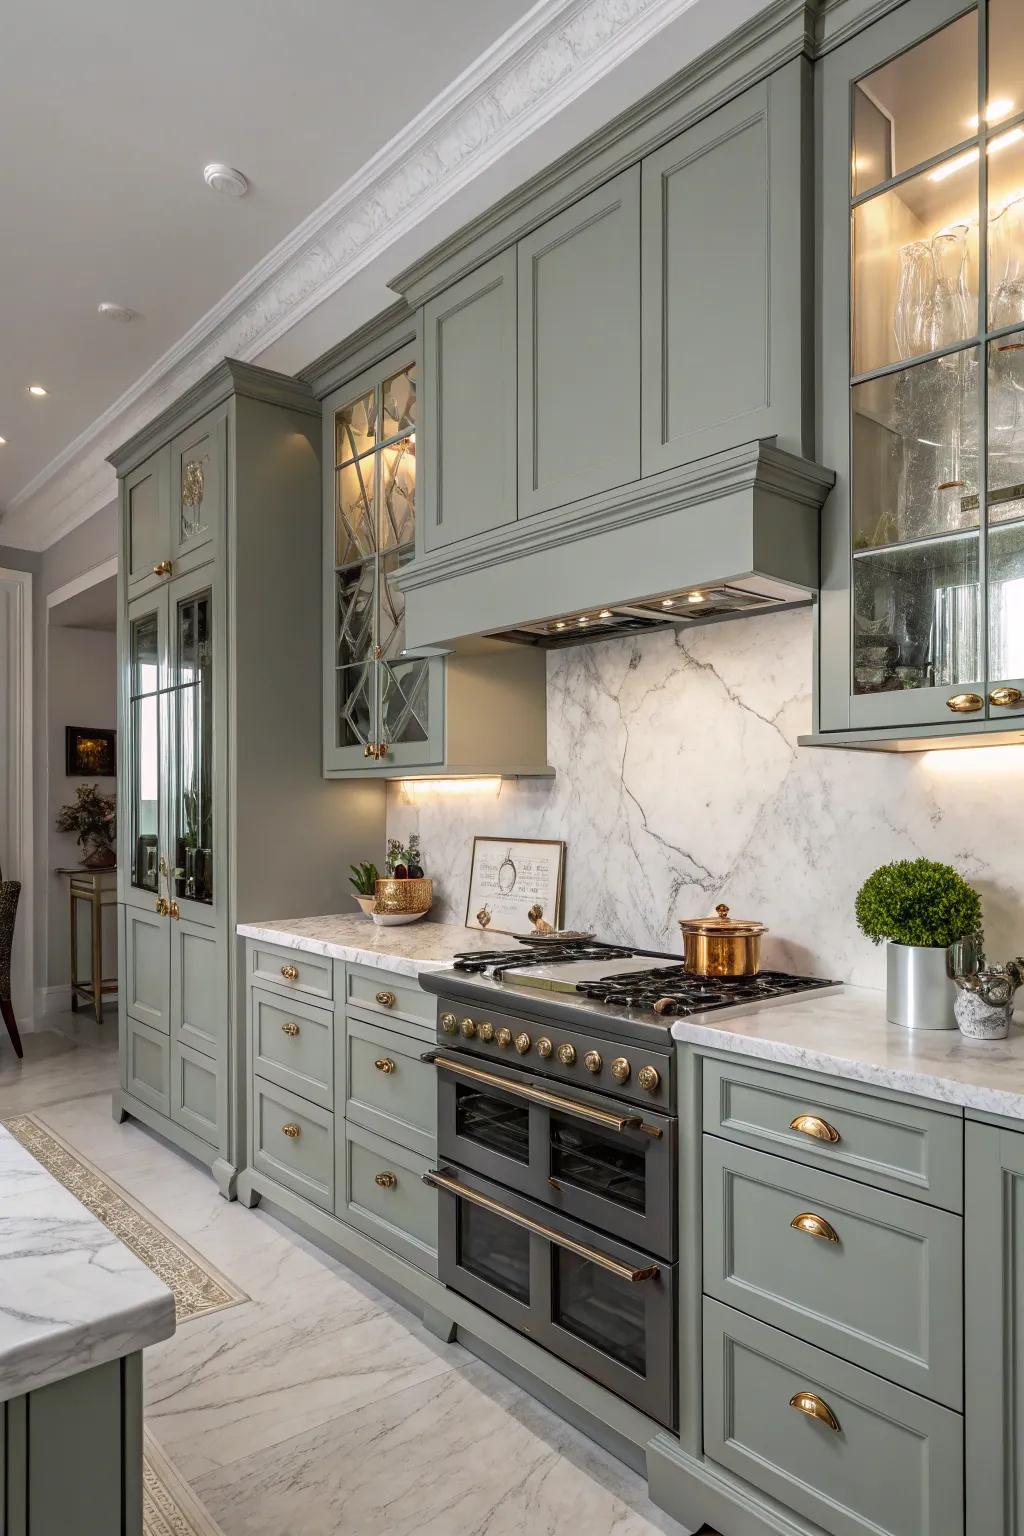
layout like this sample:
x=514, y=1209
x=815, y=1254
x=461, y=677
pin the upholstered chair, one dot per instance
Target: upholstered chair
x=10, y=892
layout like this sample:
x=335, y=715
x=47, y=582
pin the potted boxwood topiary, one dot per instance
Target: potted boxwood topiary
x=921, y=909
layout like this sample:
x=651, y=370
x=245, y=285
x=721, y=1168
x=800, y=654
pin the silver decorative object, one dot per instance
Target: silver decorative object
x=919, y=987
x=984, y=1000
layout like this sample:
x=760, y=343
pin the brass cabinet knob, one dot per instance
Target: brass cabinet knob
x=567, y=1054
x=163, y=906
x=620, y=1069
x=163, y=568
x=965, y=703
x=522, y=1043
x=468, y=1028
x=291, y=1131
x=368, y=749
x=544, y=1047
x=291, y=1030
x=815, y=1407
x=814, y=1226
x=649, y=1078
x=290, y=972
x=593, y=1061
x=387, y=999
x=449, y=1023
x=503, y=1036
x=485, y=1032
x=1006, y=698
x=386, y=1180
x=385, y=1064
x=813, y=1125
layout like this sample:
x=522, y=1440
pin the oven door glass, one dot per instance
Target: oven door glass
x=605, y=1163
x=494, y=1250
x=600, y=1309
x=492, y=1121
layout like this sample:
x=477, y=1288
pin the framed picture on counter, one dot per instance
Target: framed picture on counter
x=515, y=884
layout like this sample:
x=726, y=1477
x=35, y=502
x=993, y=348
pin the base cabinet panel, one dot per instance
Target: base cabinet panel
x=146, y=974
x=198, y=1006
x=145, y=1066
x=195, y=1093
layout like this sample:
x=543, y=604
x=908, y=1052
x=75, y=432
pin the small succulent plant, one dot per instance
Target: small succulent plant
x=364, y=877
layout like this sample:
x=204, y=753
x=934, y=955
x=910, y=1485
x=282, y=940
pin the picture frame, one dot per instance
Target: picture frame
x=90, y=752
x=515, y=882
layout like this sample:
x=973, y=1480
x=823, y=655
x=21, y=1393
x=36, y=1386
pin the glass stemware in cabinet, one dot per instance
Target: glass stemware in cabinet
x=952, y=316
x=193, y=700
x=914, y=290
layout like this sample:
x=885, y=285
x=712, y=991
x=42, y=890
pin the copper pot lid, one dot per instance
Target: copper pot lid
x=722, y=923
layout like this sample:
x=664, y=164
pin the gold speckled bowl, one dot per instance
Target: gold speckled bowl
x=399, y=896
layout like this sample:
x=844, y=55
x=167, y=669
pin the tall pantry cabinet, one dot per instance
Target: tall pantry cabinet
x=223, y=815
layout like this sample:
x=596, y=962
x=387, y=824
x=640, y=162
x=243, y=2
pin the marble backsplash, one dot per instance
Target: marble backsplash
x=679, y=784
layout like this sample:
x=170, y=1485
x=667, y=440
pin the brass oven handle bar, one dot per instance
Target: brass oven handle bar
x=549, y=1100
x=624, y=1271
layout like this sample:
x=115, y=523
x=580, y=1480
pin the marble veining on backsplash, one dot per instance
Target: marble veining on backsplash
x=679, y=783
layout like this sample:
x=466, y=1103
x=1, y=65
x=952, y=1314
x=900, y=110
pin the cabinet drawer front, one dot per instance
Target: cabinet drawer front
x=382, y=1193
x=293, y=1045
x=146, y=1066
x=875, y=1278
x=384, y=992
x=388, y=1088
x=273, y=965
x=899, y=1147
x=301, y=1157
x=893, y=1465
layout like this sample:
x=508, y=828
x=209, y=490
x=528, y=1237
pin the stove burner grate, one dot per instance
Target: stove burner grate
x=673, y=992
x=498, y=961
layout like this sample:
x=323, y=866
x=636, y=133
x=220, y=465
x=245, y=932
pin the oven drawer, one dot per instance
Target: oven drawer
x=870, y=1276
x=862, y=1457
x=389, y=1088
x=606, y=1309
x=900, y=1147
x=591, y=1158
x=294, y=970
x=293, y=1045
x=293, y=1142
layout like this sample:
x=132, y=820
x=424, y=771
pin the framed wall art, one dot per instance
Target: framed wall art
x=90, y=753
x=515, y=884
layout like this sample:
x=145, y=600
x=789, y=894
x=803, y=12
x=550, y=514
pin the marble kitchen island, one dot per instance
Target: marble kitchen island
x=76, y=1310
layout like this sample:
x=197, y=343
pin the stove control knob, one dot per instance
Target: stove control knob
x=504, y=1037
x=468, y=1028
x=593, y=1061
x=649, y=1078
x=544, y=1046
x=486, y=1033
x=620, y=1069
x=449, y=1023
x=567, y=1054
x=522, y=1043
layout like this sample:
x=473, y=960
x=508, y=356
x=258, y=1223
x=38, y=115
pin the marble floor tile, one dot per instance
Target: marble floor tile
x=60, y=1062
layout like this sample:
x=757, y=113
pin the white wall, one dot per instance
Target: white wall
x=680, y=784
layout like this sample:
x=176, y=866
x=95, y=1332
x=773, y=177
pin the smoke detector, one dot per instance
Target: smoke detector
x=224, y=178
x=120, y=312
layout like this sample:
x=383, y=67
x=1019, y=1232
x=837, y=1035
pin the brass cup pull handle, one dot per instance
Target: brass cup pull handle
x=1006, y=698
x=386, y=1180
x=441, y=1179
x=290, y=972
x=385, y=1064
x=815, y=1407
x=291, y=1131
x=813, y=1125
x=291, y=1030
x=814, y=1226
x=163, y=568
x=387, y=999
x=965, y=703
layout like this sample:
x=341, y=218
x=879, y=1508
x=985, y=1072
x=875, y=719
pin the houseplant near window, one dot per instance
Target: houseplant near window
x=920, y=909
x=92, y=818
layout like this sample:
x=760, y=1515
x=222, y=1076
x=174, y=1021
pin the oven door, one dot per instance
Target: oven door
x=606, y=1309
x=592, y=1158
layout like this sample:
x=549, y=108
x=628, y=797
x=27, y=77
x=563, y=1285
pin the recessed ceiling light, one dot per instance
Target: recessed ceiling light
x=111, y=311
x=36, y=389
x=224, y=178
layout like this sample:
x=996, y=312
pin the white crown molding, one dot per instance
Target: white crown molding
x=549, y=58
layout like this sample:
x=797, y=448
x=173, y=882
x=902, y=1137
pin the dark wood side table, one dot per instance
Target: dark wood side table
x=98, y=888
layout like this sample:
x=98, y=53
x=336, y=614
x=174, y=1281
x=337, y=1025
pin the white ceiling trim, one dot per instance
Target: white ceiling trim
x=556, y=52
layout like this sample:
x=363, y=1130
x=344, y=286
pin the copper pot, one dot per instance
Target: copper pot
x=721, y=945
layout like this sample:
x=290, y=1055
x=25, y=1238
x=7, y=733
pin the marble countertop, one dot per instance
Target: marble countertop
x=407, y=949
x=845, y=1034
x=72, y=1296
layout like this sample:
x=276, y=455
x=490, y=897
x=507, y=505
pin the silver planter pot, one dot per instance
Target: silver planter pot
x=920, y=991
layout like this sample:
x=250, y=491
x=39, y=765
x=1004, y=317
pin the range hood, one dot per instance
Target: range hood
x=728, y=535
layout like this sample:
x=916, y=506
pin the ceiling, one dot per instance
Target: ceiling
x=108, y=113
x=95, y=608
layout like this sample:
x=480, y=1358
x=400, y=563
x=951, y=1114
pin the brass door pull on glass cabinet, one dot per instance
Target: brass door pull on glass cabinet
x=813, y=1125
x=965, y=703
x=815, y=1407
x=163, y=906
x=1005, y=698
x=163, y=568
x=814, y=1226
x=385, y=1064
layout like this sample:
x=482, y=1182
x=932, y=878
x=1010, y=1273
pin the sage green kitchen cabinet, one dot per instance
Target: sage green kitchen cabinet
x=226, y=814
x=994, y=1380
x=146, y=496
x=468, y=481
x=579, y=349
x=922, y=353
x=726, y=241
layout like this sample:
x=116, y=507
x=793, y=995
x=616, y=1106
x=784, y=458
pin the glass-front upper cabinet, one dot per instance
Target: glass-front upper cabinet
x=382, y=706
x=147, y=651
x=923, y=212
x=192, y=770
